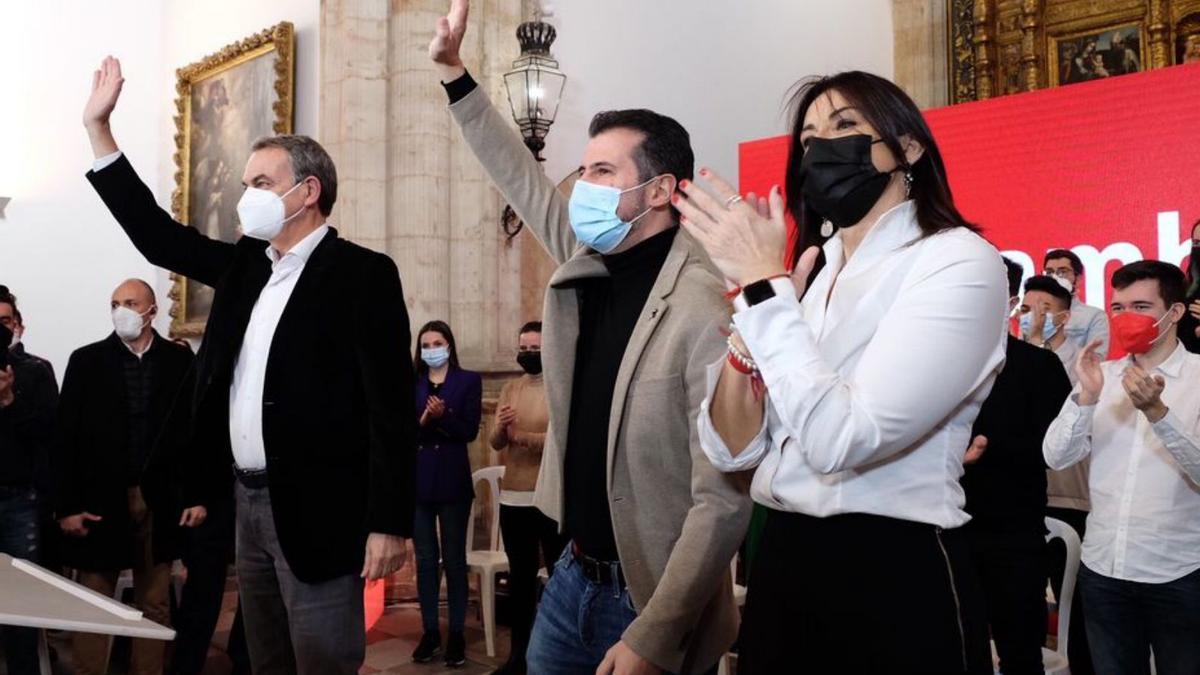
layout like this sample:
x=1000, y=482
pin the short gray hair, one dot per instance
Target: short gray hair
x=308, y=159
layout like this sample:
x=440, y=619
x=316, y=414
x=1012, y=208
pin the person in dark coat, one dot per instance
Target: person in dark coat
x=1006, y=496
x=448, y=410
x=115, y=398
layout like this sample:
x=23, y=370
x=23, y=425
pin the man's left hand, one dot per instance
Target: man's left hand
x=385, y=555
x=621, y=660
x=193, y=517
x=1145, y=392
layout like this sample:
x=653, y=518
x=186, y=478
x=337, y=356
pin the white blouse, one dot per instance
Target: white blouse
x=872, y=388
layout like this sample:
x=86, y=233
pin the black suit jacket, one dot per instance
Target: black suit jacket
x=90, y=459
x=339, y=437
x=1006, y=488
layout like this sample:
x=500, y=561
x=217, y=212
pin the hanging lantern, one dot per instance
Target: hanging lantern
x=535, y=84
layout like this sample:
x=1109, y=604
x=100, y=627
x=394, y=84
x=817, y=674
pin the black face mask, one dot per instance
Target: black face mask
x=530, y=362
x=840, y=181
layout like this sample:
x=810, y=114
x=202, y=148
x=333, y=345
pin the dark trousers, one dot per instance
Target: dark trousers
x=452, y=520
x=292, y=626
x=206, y=555
x=856, y=593
x=526, y=531
x=1078, y=653
x=1012, y=574
x=19, y=538
x=1127, y=619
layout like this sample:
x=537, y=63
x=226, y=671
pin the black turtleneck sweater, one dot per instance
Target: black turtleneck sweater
x=609, y=308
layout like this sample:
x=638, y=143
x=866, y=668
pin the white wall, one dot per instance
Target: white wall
x=60, y=250
x=720, y=67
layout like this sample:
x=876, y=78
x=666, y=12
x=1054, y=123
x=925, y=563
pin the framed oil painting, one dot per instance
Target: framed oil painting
x=224, y=103
x=1097, y=55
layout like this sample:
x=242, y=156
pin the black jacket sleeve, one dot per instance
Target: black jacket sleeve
x=65, y=449
x=382, y=337
x=165, y=242
x=1048, y=391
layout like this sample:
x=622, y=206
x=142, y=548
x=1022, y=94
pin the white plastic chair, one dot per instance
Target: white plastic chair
x=487, y=564
x=1056, y=662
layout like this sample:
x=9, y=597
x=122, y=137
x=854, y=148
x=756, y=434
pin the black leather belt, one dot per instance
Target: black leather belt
x=597, y=571
x=255, y=479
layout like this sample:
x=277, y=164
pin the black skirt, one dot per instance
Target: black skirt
x=862, y=594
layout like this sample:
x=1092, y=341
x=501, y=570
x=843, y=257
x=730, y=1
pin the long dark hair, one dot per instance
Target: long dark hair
x=442, y=328
x=893, y=114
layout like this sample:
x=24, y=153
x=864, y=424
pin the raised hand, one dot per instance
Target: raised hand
x=447, y=41
x=1091, y=378
x=106, y=89
x=745, y=239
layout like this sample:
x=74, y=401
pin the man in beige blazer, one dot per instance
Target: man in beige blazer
x=633, y=316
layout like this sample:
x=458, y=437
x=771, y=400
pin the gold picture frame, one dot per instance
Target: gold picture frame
x=1001, y=47
x=1103, y=43
x=223, y=103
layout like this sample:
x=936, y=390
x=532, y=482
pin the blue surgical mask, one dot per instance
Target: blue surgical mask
x=435, y=357
x=1049, y=330
x=593, y=211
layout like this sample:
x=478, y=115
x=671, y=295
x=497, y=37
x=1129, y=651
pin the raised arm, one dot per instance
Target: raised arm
x=497, y=146
x=165, y=242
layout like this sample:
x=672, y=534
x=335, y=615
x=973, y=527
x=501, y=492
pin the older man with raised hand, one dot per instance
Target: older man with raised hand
x=300, y=383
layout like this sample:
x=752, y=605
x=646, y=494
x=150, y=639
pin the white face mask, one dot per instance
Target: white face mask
x=261, y=212
x=128, y=324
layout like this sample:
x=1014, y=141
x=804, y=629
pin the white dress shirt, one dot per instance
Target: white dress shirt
x=1068, y=489
x=1145, y=519
x=871, y=396
x=250, y=373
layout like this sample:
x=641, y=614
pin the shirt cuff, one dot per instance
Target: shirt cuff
x=106, y=161
x=458, y=89
x=714, y=446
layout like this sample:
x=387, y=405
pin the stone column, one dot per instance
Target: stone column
x=407, y=185
x=920, y=51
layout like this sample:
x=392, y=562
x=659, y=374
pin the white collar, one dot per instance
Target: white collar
x=303, y=248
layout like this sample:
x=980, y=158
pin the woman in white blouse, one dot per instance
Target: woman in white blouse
x=853, y=405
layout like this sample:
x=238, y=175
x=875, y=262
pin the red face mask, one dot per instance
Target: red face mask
x=1135, y=333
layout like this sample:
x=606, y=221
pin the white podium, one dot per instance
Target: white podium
x=37, y=598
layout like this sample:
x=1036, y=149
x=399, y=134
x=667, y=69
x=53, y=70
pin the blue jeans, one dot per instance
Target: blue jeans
x=1125, y=619
x=577, y=622
x=19, y=538
x=453, y=554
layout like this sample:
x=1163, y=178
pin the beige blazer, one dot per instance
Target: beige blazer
x=677, y=520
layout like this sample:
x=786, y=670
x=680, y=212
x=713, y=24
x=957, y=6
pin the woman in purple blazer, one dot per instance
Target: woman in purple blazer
x=448, y=401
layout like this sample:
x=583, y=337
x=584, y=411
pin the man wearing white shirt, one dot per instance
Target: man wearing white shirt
x=1138, y=418
x=299, y=387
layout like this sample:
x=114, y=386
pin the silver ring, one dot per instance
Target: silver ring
x=732, y=200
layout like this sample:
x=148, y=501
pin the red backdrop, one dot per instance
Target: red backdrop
x=1109, y=169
